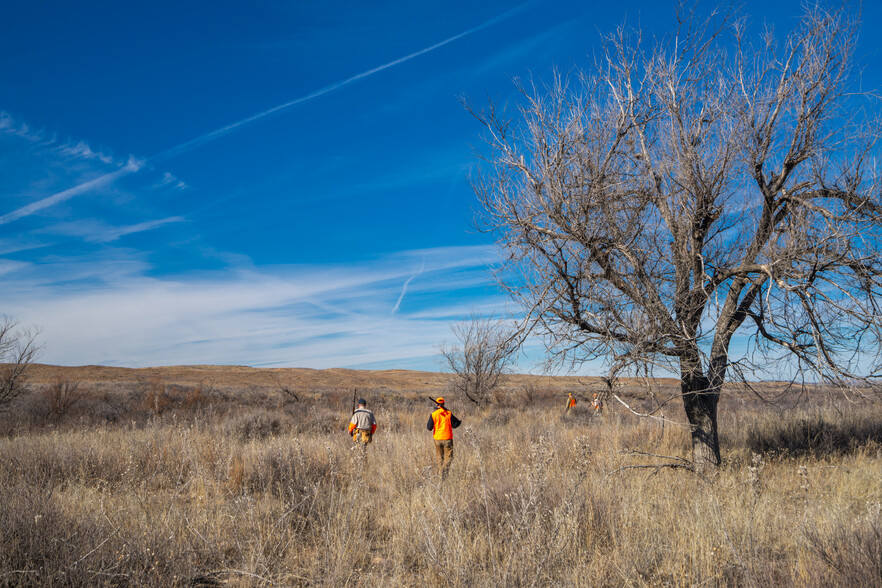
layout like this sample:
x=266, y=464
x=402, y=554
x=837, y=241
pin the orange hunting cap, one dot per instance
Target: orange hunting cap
x=439, y=400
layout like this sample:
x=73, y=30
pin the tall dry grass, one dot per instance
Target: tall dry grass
x=276, y=495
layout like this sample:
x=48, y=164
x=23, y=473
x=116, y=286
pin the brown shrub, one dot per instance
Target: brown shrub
x=156, y=398
x=255, y=425
x=60, y=397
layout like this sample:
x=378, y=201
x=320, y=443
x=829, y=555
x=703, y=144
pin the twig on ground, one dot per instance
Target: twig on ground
x=657, y=468
x=97, y=547
x=632, y=451
x=10, y=573
x=240, y=572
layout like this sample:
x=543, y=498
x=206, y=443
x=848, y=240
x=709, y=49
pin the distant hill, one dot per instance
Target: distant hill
x=293, y=378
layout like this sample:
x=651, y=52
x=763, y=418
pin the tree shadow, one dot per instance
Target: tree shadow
x=815, y=435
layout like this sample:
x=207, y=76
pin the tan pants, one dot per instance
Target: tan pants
x=444, y=451
x=362, y=436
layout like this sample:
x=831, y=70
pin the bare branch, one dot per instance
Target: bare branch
x=18, y=349
x=648, y=415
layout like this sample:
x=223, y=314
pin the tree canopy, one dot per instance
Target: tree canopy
x=688, y=189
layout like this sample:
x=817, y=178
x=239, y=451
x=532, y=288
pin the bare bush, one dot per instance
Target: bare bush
x=18, y=348
x=484, y=351
x=529, y=392
x=199, y=395
x=259, y=424
x=156, y=398
x=289, y=394
x=60, y=397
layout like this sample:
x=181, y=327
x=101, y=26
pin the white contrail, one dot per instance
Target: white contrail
x=131, y=167
x=404, y=287
x=208, y=137
x=116, y=233
x=177, y=150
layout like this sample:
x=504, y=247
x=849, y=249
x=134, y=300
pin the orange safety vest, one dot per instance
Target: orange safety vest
x=571, y=403
x=443, y=426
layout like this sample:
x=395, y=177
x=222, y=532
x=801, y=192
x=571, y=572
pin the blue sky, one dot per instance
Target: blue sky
x=265, y=183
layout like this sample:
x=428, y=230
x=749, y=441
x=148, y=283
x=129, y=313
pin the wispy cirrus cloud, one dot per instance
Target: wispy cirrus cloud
x=10, y=125
x=170, y=181
x=302, y=315
x=118, y=232
x=82, y=150
x=96, y=231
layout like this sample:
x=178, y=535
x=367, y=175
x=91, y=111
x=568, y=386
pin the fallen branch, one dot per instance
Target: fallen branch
x=10, y=573
x=97, y=547
x=634, y=452
x=206, y=577
x=684, y=464
x=657, y=468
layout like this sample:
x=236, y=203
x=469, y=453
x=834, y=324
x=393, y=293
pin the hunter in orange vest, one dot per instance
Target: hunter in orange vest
x=597, y=403
x=441, y=423
x=363, y=425
x=571, y=403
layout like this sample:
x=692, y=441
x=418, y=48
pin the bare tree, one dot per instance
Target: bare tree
x=484, y=351
x=61, y=397
x=18, y=348
x=684, y=191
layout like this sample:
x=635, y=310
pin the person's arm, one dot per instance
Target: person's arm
x=373, y=428
x=351, y=427
x=431, y=424
x=454, y=422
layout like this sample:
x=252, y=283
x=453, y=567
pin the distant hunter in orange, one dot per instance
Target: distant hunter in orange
x=571, y=402
x=441, y=423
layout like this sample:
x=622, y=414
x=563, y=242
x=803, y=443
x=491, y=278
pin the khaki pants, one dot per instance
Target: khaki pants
x=362, y=436
x=444, y=451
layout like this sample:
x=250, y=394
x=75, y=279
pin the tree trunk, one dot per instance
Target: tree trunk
x=700, y=402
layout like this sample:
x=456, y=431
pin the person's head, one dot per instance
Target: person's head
x=362, y=402
x=595, y=395
x=440, y=401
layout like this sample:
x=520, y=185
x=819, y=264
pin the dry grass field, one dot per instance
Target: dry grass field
x=205, y=476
